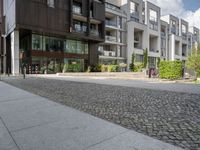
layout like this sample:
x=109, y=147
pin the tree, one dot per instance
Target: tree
x=131, y=66
x=194, y=60
x=145, y=53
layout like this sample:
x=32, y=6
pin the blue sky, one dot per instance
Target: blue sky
x=192, y=5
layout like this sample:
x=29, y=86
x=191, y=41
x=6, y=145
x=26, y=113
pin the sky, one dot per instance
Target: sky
x=189, y=10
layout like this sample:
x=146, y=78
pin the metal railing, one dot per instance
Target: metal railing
x=111, y=38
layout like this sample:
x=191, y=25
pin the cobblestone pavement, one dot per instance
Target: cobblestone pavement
x=168, y=116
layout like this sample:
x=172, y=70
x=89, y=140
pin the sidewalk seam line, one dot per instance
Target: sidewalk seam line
x=10, y=133
x=107, y=139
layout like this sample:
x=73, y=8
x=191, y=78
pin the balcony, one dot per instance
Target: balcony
x=94, y=32
x=153, y=25
x=109, y=53
x=184, y=36
x=173, y=30
x=112, y=7
x=77, y=9
x=135, y=14
x=163, y=52
x=111, y=23
x=154, y=51
x=163, y=34
x=79, y=28
x=111, y=38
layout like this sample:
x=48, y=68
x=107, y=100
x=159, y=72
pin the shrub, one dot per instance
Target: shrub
x=170, y=69
x=194, y=60
x=72, y=68
x=113, y=68
x=104, y=68
x=138, y=66
x=94, y=68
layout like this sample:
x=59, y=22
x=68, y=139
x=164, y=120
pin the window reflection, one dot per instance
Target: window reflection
x=52, y=44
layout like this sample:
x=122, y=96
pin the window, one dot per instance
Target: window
x=50, y=3
x=36, y=42
x=134, y=7
x=139, y=58
x=183, y=28
x=153, y=15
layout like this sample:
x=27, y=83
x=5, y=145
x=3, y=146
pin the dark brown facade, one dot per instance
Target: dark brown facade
x=63, y=19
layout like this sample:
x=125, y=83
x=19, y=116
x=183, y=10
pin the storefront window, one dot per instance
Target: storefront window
x=76, y=47
x=36, y=42
x=53, y=44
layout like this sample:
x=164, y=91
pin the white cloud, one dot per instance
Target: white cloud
x=176, y=8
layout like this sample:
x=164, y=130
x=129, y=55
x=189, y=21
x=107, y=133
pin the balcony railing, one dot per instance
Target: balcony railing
x=111, y=38
x=163, y=34
x=134, y=14
x=163, y=53
x=94, y=32
x=112, y=7
x=153, y=26
x=109, y=53
x=173, y=30
x=154, y=50
x=80, y=29
x=111, y=23
x=77, y=9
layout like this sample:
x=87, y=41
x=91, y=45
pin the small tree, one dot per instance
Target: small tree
x=145, y=53
x=131, y=66
x=194, y=60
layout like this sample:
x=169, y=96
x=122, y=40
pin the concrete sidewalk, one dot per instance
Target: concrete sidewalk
x=30, y=122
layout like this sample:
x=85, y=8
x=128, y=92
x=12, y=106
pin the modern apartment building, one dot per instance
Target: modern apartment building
x=144, y=32
x=114, y=49
x=178, y=38
x=46, y=34
x=194, y=36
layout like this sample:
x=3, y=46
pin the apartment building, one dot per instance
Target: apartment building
x=164, y=53
x=178, y=38
x=194, y=36
x=113, y=50
x=46, y=34
x=144, y=32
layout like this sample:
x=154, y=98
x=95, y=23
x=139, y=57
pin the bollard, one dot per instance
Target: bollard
x=24, y=72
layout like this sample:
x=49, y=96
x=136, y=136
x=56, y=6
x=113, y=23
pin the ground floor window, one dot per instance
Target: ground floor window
x=152, y=62
x=139, y=58
x=44, y=65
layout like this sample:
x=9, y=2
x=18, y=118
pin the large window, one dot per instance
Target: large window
x=77, y=47
x=50, y=3
x=52, y=44
x=37, y=42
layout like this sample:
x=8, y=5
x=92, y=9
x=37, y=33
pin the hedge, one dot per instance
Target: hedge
x=170, y=69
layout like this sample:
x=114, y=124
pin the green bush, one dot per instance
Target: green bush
x=113, y=68
x=94, y=68
x=170, y=69
x=104, y=68
x=138, y=67
x=72, y=68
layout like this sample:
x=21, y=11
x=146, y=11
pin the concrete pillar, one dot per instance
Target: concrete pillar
x=4, y=55
x=15, y=52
